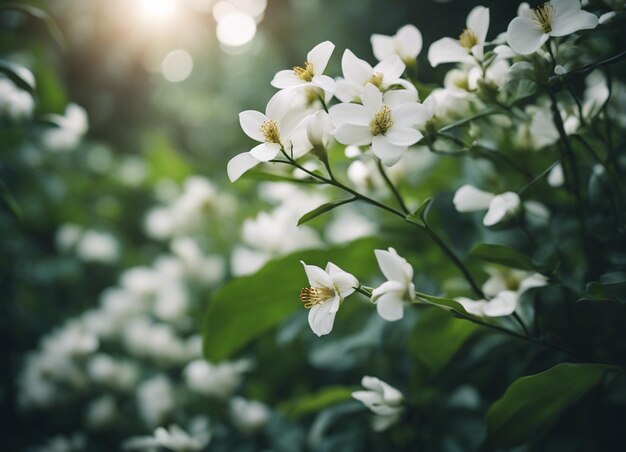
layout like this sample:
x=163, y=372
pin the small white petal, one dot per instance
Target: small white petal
x=347, y=91
x=502, y=207
x=319, y=56
x=389, y=154
x=398, y=288
x=532, y=281
x=502, y=305
x=355, y=69
x=478, y=22
x=265, y=152
x=251, y=122
x=606, y=17
x=239, y=164
x=391, y=68
x=382, y=46
x=324, y=81
x=279, y=104
x=448, y=50
x=410, y=115
x=322, y=318
x=403, y=136
x=390, y=307
x=344, y=281
x=556, y=177
x=372, y=99
x=349, y=114
x=393, y=266
x=566, y=24
x=352, y=134
x=398, y=97
x=409, y=41
x=317, y=277
x=286, y=79
x=470, y=199
x=524, y=36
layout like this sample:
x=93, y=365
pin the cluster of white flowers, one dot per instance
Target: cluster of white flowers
x=90, y=245
x=15, y=103
x=67, y=130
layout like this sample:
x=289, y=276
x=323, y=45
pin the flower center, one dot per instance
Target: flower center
x=382, y=121
x=542, y=16
x=304, y=73
x=270, y=131
x=311, y=296
x=468, y=39
x=376, y=80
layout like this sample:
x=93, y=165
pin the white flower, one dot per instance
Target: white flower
x=385, y=121
x=406, y=43
x=319, y=129
x=532, y=28
x=156, y=399
x=501, y=305
x=391, y=295
x=357, y=73
x=215, y=380
x=312, y=74
x=470, y=45
x=248, y=415
x=499, y=207
x=98, y=246
x=383, y=400
x=69, y=129
x=271, y=129
x=327, y=290
x=174, y=438
x=15, y=103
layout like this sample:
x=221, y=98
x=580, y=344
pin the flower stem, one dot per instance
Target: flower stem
x=392, y=187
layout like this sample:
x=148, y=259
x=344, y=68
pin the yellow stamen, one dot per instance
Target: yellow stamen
x=304, y=73
x=376, y=80
x=312, y=296
x=270, y=131
x=543, y=15
x=468, y=38
x=382, y=121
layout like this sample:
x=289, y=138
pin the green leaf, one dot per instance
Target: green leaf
x=420, y=216
x=437, y=337
x=500, y=254
x=41, y=15
x=313, y=403
x=446, y=303
x=531, y=405
x=323, y=209
x=615, y=284
x=249, y=306
x=520, y=81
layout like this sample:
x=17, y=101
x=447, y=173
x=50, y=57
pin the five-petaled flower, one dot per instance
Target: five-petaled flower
x=398, y=289
x=327, y=290
x=470, y=45
x=532, y=28
x=311, y=74
x=386, y=122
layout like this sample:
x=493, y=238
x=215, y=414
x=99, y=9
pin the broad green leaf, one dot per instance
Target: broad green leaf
x=323, y=209
x=41, y=15
x=313, y=403
x=500, y=254
x=520, y=81
x=437, y=337
x=615, y=284
x=420, y=216
x=531, y=405
x=251, y=305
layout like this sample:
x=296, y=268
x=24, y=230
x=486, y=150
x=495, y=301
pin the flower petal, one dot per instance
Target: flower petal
x=322, y=318
x=502, y=305
x=409, y=41
x=524, y=36
x=501, y=207
x=286, y=79
x=388, y=153
x=324, y=81
x=354, y=69
x=403, y=136
x=319, y=56
x=279, y=104
x=239, y=164
x=265, y=152
x=251, y=122
x=349, y=114
x=347, y=91
x=478, y=21
x=448, y=50
x=470, y=199
x=382, y=46
x=343, y=281
x=564, y=24
x=396, y=287
x=353, y=134
x=390, y=307
x=393, y=266
x=391, y=67
x=409, y=115
x=398, y=97
x=317, y=277
x=372, y=99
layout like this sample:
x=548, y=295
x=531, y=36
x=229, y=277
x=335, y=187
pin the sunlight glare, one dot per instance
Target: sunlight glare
x=236, y=29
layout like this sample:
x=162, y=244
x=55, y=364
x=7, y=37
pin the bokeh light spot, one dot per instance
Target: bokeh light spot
x=177, y=65
x=236, y=29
